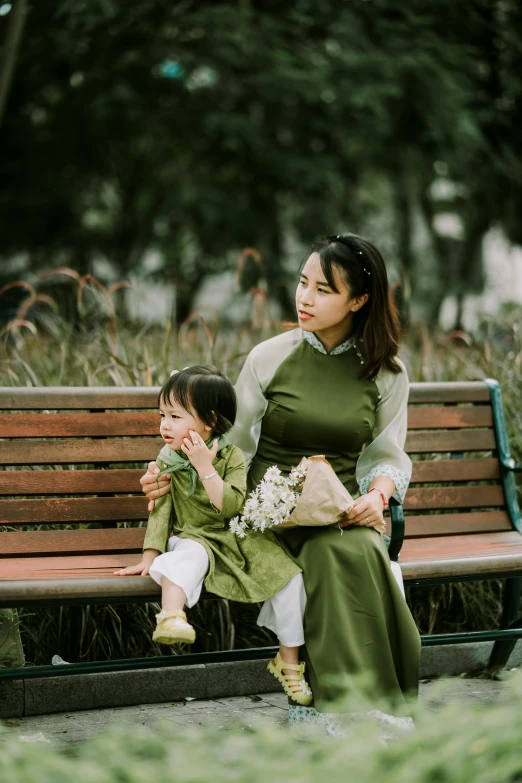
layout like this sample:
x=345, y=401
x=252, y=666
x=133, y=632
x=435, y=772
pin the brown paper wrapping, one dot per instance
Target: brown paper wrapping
x=324, y=500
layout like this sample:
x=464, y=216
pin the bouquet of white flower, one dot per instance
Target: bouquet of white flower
x=310, y=495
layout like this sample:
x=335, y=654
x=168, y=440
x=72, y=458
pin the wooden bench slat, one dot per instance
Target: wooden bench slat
x=78, y=482
x=43, y=586
x=453, y=497
x=111, y=397
x=444, y=470
x=448, y=392
x=19, y=567
x=464, y=543
x=447, y=524
x=453, y=569
x=67, y=574
x=63, y=510
x=96, y=572
x=80, y=452
x=68, y=510
x=78, y=425
x=72, y=541
x=430, y=442
x=461, y=555
x=70, y=482
x=447, y=418
x=140, y=450
x=78, y=397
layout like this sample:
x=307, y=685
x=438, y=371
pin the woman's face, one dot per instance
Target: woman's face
x=319, y=307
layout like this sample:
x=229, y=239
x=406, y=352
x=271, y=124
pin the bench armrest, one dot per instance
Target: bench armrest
x=397, y=531
x=510, y=464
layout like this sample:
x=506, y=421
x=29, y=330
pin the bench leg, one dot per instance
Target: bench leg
x=503, y=648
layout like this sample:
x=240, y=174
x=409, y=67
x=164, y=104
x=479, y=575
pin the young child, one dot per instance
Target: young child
x=188, y=540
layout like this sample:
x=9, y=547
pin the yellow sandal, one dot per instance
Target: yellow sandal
x=172, y=627
x=295, y=685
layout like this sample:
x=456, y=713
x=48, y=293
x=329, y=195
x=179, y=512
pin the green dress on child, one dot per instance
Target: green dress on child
x=251, y=569
x=296, y=400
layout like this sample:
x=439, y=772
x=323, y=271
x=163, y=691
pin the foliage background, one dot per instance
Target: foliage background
x=199, y=128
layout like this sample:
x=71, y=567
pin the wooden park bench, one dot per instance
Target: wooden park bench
x=72, y=459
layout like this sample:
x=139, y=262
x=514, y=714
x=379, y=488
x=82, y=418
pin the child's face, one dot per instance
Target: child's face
x=176, y=423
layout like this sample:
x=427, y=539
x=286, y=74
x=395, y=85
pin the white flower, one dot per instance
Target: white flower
x=271, y=503
x=272, y=474
x=237, y=527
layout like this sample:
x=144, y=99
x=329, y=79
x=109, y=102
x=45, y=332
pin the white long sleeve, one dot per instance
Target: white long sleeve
x=384, y=454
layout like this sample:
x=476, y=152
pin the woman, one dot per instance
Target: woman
x=334, y=386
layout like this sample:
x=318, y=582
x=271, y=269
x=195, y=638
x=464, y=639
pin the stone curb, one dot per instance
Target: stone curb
x=21, y=698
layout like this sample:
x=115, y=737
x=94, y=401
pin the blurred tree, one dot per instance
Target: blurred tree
x=199, y=128
x=481, y=169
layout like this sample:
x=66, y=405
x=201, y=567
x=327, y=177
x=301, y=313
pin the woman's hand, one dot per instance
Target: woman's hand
x=198, y=453
x=367, y=512
x=152, y=486
x=143, y=567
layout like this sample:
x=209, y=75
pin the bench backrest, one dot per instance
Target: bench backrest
x=451, y=438
x=98, y=441
x=456, y=438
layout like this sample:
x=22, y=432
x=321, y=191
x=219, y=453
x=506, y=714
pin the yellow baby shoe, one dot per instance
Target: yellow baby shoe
x=172, y=627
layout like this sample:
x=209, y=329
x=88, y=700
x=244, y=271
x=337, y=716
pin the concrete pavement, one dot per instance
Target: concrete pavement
x=67, y=728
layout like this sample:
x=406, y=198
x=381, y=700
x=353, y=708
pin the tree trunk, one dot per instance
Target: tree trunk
x=402, y=208
x=269, y=246
x=12, y=47
x=440, y=252
x=470, y=267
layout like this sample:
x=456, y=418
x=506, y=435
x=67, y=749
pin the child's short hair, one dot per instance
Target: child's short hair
x=205, y=391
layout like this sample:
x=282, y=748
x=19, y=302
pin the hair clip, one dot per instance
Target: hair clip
x=174, y=372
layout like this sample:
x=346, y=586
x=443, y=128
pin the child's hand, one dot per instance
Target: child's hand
x=196, y=450
x=142, y=568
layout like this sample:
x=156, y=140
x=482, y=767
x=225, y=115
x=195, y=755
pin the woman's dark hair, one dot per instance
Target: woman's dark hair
x=205, y=391
x=362, y=266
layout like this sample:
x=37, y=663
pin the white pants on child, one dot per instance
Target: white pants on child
x=284, y=612
x=186, y=564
